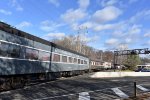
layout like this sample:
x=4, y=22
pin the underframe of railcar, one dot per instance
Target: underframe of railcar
x=97, y=68
x=8, y=82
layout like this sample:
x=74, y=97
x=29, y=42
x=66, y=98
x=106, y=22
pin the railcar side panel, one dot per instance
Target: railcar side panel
x=13, y=66
x=20, y=55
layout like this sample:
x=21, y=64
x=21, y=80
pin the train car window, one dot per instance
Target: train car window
x=91, y=62
x=64, y=58
x=29, y=42
x=99, y=63
x=75, y=60
x=79, y=61
x=3, y=49
x=85, y=62
x=9, y=50
x=31, y=54
x=14, y=51
x=44, y=56
x=70, y=59
x=56, y=57
x=41, y=46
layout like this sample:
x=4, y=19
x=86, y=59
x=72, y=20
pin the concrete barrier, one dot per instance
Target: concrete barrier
x=119, y=74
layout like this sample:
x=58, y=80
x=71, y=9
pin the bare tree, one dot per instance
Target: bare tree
x=77, y=44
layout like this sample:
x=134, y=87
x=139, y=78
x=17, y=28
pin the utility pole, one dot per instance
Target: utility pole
x=81, y=42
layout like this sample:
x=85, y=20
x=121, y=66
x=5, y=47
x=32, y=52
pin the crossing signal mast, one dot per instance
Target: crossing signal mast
x=129, y=52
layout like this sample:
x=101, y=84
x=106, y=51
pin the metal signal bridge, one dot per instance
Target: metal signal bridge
x=129, y=52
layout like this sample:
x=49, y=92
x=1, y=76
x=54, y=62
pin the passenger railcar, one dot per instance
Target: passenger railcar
x=97, y=65
x=24, y=57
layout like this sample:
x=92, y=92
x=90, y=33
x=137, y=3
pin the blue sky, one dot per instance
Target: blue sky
x=111, y=24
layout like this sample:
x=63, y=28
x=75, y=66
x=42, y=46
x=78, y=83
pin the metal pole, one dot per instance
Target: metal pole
x=134, y=89
x=114, y=62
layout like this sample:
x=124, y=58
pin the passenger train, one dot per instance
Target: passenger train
x=25, y=58
x=98, y=65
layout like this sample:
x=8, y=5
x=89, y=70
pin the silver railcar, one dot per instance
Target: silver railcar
x=24, y=57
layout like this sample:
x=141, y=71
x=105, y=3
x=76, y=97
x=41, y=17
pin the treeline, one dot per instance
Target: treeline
x=145, y=60
x=78, y=44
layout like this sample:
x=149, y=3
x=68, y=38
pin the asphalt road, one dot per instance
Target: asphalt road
x=79, y=88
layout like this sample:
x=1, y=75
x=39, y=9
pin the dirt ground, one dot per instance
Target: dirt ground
x=144, y=96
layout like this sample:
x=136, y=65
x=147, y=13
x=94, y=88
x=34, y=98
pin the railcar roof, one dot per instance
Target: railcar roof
x=97, y=60
x=8, y=28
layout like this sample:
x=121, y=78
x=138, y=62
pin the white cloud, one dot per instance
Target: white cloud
x=106, y=14
x=122, y=32
x=132, y=1
x=108, y=2
x=88, y=39
x=1, y=20
x=128, y=32
x=114, y=43
x=54, y=36
x=122, y=46
x=74, y=26
x=140, y=16
x=49, y=26
x=111, y=41
x=5, y=12
x=72, y=16
x=24, y=24
x=129, y=28
x=135, y=29
x=131, y=33
x=19, y=8
x=101, y=27
x=54, y=2
x=128, y=40
x=16, y=5
x=125, y=33
x=146, y=43
x=87, y=24
x=105, y=27
x=117, y=33
x=147, y=34
x=84, y=3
